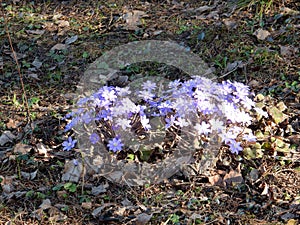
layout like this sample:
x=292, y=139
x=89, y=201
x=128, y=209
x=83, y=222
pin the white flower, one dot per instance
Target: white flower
x=203, y=128
x=124, y=123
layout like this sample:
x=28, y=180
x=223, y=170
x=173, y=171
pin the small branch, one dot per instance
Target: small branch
x=19, y=72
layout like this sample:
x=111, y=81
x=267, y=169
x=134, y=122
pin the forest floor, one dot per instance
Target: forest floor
x=55, y=41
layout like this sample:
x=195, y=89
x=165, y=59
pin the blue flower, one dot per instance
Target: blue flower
x=69, y=144
x=115, y=144
x=149, y=86
x=94, y=138
x=249, y=137
x=87, y=118
x=235, y=147
x=75, y=162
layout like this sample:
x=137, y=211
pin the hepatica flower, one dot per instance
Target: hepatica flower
x=115, y=144
x=199, y=105
x=69, y=144
x=94, y=138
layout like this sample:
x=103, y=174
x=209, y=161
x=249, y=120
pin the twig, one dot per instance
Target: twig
x=226, y=74
x=19, y=71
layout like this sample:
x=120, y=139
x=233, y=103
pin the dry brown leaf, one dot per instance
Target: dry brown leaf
x=234, y=177
x=288, y=51
x=216, y=180
x=22, y=148
x=86, y=205
x=12, y=124
x=133, y=19
x=261, y=34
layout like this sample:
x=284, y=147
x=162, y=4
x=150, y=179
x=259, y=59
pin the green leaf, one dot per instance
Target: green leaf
x=57, y=187
x=70, y=187
x=130, y=156
x=277, y=115
x=145, y=154
x=253, y=152
x=267, y=146
x=85, y=55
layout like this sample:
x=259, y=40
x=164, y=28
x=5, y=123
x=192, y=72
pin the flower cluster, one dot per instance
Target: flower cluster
x=204, y=106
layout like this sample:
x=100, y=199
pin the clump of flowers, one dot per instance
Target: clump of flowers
x=199, y=105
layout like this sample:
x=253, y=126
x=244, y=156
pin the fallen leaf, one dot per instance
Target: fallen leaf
x=295, y=139
x=46, y=204
x=38, y=32
x=261, y=34
x=72, y=172
x=98, y=210
x=292, y=222
x=86, y=205
x=18, y=55
x=234, y=177
x=62, y=23
x=133, y=19
x=22, y=148
x=266, y=189
x=288, y=216
x=42, y=150
x=215, y=180
x=7, y=137
x=230, y=24
x=157, y=32
x=203, y=9
x=71, y=40
x=12, y=124
x=1, y=63
x=56, y=215
x=288, y=51
x=33, y=75
x=233, y=66
x=59, y=47
x=143, y=218
x=254, y=175
x=126, y=202
x=281, y=106
x=37, y=63
x=99, y=189
x=29, y=176
x=277, y=115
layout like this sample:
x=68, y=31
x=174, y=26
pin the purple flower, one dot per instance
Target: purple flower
x=69, y=144
x=124, y=123
x=123, y=91
x=75, y=162
x=146, y=95
x=182, y=122
x=235, y=147
x=241, y=89
x=249, y=137
x=165, y=107
x=86, y=118
x=149, y=86
x=70, y=125
x=115, y=144
x=109, y=95
x=174, y=84
x=227, y=137
x=94, y=138
x=170, y=121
